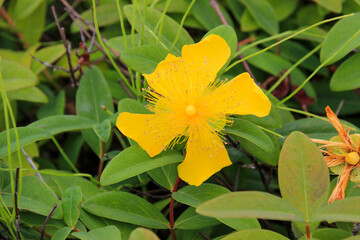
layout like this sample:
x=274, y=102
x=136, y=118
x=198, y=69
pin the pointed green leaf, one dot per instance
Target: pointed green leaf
x=132, y=106
x=145, y=58
x=126, y=207
x=339, y=34
x=143, y=234
x=30, y=94
x=332, y=5
x=330, y=234
x=344, y=210
x=103, y=130
x=303, y=174
x=62, y=233
x=16, y=76
x=165, y=175
x=189, y=219
x=134, y=161
x=264, y=14
x=71, y=205
x=347, y=77
x=250, y=205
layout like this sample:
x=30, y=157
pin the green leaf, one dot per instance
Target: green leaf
x=332, y=5
x=39, y=199
x=303, y=174
x=71, y=202
x=255, y=234
x=60, y=183
x=53, y=107
x=49, y=55
x=283, y=8
x=132, y=106
x=308, y=15
x=165, y=175
x=248, y=23
x=143, y=234
x=152, y=18
x=93, y=92
x=27, y=135
x=264, y=14
x=62, y=123
x=189, y=220
x=344, y=210
x=103, y=130
x=16, y=76
x=145, y=58
x=313, y=128
x=30, y=94
x=118, y=43
x=250, y=205
x=228, y=34
x=249, y=131
x=205, y=14
x=134, y=161
x=108, y=232
x=62, y=233
x=194, y=196
x=339, y=34
x=126, y=207
x=26, y=25
x=347, y=77
x=330, y=234
x=24, y=8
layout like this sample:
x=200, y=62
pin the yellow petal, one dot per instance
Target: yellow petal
x=201, y=162
x=210, y=53
x=240, y=96
x=151, y=131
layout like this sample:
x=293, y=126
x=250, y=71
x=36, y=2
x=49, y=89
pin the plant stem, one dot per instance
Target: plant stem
x=101, y=163
x=171, y=209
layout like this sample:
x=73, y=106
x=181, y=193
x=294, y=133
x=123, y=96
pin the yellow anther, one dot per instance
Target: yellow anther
x=352, y=158
x=190, y=110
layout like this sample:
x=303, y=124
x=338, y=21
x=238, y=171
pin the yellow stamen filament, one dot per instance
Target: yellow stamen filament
x=352, y=158
x=190, y=110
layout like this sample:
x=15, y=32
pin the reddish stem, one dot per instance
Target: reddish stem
x=171, y=213
x=307, y=227
x=101, y=163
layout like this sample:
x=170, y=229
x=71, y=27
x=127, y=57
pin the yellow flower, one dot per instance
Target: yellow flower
x=190, y=105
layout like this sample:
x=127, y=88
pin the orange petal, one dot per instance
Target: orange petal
x=240, y=96
x=339, y=127
x=201, y=162
x=151, y=131
x=339, y=191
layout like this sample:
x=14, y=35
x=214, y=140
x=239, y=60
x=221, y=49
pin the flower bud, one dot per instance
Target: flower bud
x=352, y=158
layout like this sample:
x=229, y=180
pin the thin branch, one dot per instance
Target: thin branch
x=341, y=104
x=54, y=67
x=248, y=69
x=204, y=236
x=46, y=221
x=67, y=47
x=237, y=177
x=31, y=162
x=5, y=228
x=171, y=210
x=215, y=6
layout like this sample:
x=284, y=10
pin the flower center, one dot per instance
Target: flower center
x=352, y=158
x=190, y=110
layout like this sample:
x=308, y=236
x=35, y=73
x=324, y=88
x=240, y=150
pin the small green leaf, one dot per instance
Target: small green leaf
x=143, y=234
x=189, y=219
x=250, y=205
x=255, y=234
x=30, y=94
x=283, y=8
x=249, y=131
x=108, y=232
x=71, y=202
x=24, y=8
x=103, y=130
x=132, y=106
x=145, y=58
x=148, y=27
x=347, y=77
x=330, y=234
x=62, y=233
x=53, y=107
x=126, y=207
x=303, y=174
x=118, y=43
x=165, y=175
x=264, y=14
x=339, y=34
x=134, y=161
x=248, y=23
x=39, y=199
x=62, y=123
x=16, y=76
x=332, y=5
